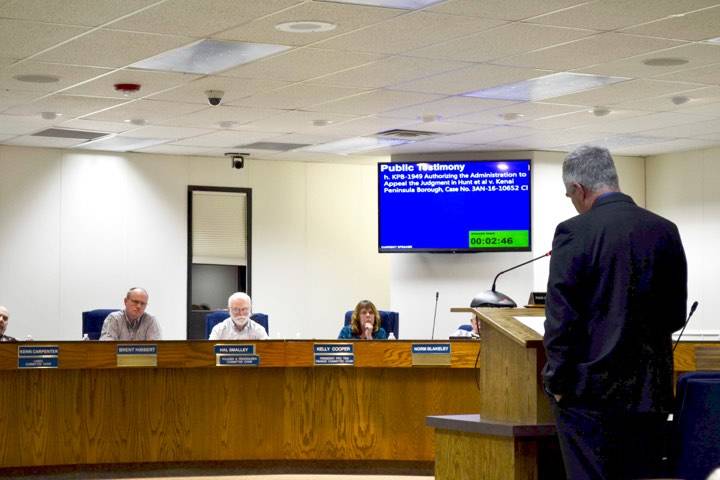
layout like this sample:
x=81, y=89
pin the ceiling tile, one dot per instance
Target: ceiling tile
x=400, y=34
x=614, y=14
x=588, y=51
x=68, y=105
x=211, y=117
x=150, y=82
x=111, y=48
x=697, y=98
x=646, y=123
x=697, y=55
x=688, y=130
x=700, y=25
x=297, y=121
x=68, y=75
x=301, y=64
x=527, y=111
x=364, y=126
x=10, y=98
x=22, y=124
x=227, y=139
x=448, y=107
x=234, y=88
x=470, y=79
x=502, y=9
x=373, y=102
x=297, y=96
x=47, y=142
x=82, y=124
x=488, y=135
x=583, y=117
x=20, y=39
x=624, y=91
x=152, y=111
x=165, y=132
x=347, y=18
x=171, y=149
x=709, y=75
x=199, y=18
x=502, y=41
x=390, y=71
x=90, y=13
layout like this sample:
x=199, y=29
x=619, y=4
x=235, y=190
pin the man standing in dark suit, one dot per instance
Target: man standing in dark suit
x=617, y=290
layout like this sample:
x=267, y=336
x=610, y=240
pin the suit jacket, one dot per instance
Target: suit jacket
x=617, y=289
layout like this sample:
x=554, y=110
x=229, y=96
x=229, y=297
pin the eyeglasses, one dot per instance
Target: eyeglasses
x=4, y=317
x=139, y=303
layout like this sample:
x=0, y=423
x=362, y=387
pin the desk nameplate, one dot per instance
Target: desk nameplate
x=38, y=356
x=334, y=354
x=136, y=355
x=431, y=354
x=236, y=355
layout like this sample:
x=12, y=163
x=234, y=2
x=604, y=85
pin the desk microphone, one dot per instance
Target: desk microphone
x=492, y=298
x=692, y=310
x=437, y=296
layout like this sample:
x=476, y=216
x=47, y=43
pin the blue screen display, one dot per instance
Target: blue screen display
x=457, y=206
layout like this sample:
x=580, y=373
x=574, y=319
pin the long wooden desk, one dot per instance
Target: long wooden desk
x=89, y=411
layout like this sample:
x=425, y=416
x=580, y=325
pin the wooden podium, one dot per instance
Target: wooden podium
x=513, y=437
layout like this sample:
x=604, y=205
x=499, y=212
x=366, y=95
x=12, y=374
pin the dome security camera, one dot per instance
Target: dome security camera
x=214, y=97
x=237, y=160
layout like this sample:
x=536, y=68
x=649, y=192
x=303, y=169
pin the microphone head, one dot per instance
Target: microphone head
x=437, y=295
x=694, y=306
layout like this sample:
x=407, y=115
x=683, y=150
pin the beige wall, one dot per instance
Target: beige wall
x=81, y=227
x=685, y=187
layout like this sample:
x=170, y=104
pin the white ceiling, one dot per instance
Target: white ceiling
x=380, y=69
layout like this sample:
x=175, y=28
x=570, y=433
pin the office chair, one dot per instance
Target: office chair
x=389, y=321
x=213, y=318
x=696, y=429
x=92, y=321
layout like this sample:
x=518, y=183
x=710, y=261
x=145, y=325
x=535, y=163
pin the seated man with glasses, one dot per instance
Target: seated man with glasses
x=132, y=323
x=239, y=325
x=4, y=319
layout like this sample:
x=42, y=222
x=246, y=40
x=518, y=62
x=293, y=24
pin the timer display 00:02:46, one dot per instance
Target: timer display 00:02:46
x=498, y=239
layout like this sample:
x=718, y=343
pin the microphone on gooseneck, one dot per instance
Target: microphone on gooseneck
x=692, y=310
x=437, y=296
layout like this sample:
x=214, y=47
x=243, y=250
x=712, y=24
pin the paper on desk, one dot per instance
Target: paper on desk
x=533, y=323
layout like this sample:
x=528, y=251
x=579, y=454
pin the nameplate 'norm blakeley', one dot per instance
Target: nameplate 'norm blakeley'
x=431, y=354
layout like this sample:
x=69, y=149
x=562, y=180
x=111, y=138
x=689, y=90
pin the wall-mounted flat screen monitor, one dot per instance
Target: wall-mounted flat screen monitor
x=454, y=206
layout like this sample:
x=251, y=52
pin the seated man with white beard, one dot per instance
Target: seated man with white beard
x=238, y=326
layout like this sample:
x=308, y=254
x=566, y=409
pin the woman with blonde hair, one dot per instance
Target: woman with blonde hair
x=364, y=324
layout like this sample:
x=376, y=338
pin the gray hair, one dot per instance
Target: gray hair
x=239, y=295
x=592, y=167
x=136, y=289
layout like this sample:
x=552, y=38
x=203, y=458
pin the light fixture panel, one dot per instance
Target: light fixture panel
x=402, y=4
x=206, y=57
x=548, y=86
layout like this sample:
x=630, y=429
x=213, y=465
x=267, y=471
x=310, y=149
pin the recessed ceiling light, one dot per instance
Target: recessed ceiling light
x=30, y=78
x=679, y=99
x=227, y=124
x=600, y=111
x=665, y=61
x=404, y=4
x=50, y=115
x=510, y=116
x=208, y=56
x=321, y=122
x=136, y=121
x=429, y=117
x=548, y=86
x=307, y=26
